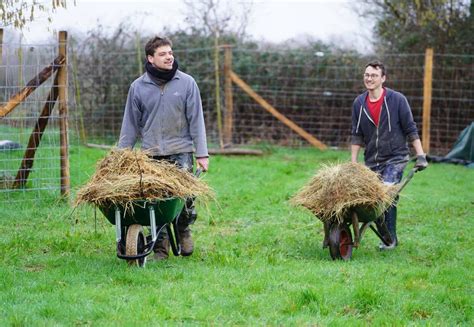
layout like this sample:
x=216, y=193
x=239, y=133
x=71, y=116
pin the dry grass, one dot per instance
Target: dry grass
x=335, y=190
x=125, y=175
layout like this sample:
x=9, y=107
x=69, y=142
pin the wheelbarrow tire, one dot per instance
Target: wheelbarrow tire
x=135, y=244
x=340, y=242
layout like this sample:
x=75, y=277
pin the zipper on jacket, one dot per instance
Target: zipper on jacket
x=377, y=145
x=163, y=89
x=377, y=139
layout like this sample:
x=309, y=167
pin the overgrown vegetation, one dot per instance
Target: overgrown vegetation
x=408, y=25
x=312, y=83
x=258, y=260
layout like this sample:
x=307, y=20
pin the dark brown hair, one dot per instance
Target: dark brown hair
x=155, y=43
x=376, y=64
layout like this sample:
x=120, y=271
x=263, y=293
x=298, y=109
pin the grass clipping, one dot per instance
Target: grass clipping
x=125, y=175
x=335, y=190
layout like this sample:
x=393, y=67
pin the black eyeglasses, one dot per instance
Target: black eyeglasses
x=372, y=76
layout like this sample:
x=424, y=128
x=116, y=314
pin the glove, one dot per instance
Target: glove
x=421, y=162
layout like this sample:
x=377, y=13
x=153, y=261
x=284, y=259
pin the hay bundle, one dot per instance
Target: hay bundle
x=125, y=175
x=335, y=190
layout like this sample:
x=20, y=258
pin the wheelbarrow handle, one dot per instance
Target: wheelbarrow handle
x=408, y=178
x=198, y=172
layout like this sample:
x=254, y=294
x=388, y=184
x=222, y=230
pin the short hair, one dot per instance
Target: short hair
x=377, y=65
x=155, y=43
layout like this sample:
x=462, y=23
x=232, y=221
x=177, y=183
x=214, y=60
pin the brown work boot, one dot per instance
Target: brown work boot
x=186, y=241
x=161, y=249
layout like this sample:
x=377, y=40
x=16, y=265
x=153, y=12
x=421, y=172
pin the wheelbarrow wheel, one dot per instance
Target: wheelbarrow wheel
x=340, y=242
x=135, y=244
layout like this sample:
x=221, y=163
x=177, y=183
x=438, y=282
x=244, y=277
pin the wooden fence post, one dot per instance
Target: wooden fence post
x=218, y=88
x=63, y=116
x=229, y=101
x=427, y=91
x=139, y=54
x=1, y=46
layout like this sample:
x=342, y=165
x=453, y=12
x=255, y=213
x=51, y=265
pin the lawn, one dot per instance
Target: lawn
x=258, y=260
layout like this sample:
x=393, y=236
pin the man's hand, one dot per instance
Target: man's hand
x=203, y=163
x=421, y=162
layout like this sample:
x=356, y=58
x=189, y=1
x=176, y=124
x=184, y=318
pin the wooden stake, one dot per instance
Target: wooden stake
x=63, y=116
x=35, y=137
x=218, y=89
x=427, y=91
x=308, y=137
x=1, y=46
x=229, y=101
x=139, y=54
x=31, y=86
x=77, y=87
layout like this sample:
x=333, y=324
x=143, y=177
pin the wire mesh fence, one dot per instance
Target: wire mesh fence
x=315, y=89
x=20, y=134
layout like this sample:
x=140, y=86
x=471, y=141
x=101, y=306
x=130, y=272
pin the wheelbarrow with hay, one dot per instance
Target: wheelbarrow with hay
x=349, y=198
x=133, y=244
x=341, y=240
x=143, y=198
x=138, y=226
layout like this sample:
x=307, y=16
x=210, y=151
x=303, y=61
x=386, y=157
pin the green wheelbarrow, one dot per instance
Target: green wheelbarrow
x=134, y=244
x=341, y=239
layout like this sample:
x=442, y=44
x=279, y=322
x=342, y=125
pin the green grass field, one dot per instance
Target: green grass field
x=258, y=260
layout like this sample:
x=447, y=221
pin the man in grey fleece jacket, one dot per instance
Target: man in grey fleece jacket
x=164, y=111
x=382, y=122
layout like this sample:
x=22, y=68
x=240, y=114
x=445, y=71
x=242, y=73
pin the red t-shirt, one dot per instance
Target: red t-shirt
x=375, y=107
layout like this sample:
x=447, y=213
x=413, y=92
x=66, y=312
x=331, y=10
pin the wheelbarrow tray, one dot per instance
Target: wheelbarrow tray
x=365, y=214
x=165, y=211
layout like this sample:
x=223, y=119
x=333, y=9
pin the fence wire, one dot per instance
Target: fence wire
x=21, y=64
x=312, y=88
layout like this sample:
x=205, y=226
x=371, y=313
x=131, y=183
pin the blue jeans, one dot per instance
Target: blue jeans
x=188, y=215
x=391, y=174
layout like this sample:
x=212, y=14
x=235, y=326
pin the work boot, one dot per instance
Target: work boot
x=186, y=241
x=161, y=249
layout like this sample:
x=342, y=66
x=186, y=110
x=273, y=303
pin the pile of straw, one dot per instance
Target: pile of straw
x=335, y=190
x=125, y=175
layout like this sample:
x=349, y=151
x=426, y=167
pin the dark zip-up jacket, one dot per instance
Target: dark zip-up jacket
x=387, y=142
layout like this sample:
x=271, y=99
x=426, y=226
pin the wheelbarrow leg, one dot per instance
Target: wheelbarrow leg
x=152, y=224
x=174, y=238
x=118, y=225
x=326, y=225
x=384, y=234
x=355, y=226
x=119, y=233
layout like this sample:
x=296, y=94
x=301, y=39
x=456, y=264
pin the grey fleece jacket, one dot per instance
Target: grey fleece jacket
x=168, y=119
x=387, y=142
